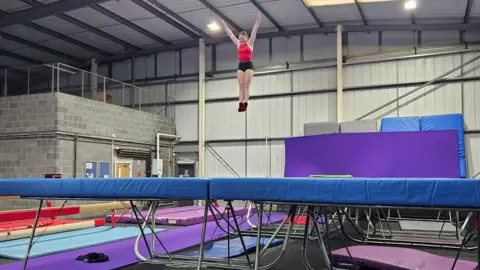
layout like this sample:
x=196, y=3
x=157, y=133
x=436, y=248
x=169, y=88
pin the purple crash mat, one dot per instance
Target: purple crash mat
x=192, y=217
x=394, y=258
x=130, y=217
x=431, y=154
x=182, y=216
x=121, y=252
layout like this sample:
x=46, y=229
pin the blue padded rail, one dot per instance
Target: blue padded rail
x=449, y=122
x=351, y=191
x=395, y=124
x=108, y=188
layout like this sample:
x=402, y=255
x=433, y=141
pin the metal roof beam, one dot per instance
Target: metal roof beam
x=130, y=24
x=42, y=11
x=180, y=19
x=20, y=57
x=40, y=47
x=360, y=10
x=87, y=27
x=468, y=10
x=266, y=14
x=150, y=8
x=219, y=14
x=312, y=13
x=62, y=37
x=299, y=32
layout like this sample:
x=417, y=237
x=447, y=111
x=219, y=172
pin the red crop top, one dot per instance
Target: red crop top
x=245, y=53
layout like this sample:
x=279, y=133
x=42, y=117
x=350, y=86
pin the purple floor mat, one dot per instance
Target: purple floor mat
x=130, y=217
x=183, y=216
x=121, y=253
x=394, y=258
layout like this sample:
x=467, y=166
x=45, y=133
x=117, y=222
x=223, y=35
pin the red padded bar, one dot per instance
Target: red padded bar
x=45, y=213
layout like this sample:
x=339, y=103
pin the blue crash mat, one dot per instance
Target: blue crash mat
x=220, y=249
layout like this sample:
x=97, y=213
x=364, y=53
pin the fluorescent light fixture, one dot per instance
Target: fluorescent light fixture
x=319, y=3
x=213, y=26
x=410, y=4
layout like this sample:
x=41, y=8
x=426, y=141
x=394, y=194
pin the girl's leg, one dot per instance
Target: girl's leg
x=241, y=85
x=248, y=79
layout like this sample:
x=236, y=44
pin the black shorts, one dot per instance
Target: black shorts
x=243, y=66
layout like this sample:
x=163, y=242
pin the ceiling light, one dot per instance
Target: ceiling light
x=213, y=26
x=410, y=4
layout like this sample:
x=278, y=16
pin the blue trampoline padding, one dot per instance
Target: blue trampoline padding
x=66, y=241
x=108, y=188
x=351, y=191
x=220, y=249
x=446, y=122
x=463, y=167
x=396, y=124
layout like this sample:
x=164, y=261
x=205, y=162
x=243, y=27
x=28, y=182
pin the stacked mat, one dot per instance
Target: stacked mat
x=180, y=216
x=431, y=123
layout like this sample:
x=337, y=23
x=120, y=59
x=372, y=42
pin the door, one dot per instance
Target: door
x=124, y=170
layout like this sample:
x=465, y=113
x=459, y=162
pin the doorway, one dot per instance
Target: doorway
x=123, y=170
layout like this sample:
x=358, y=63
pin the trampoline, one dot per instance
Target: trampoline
x=438, y=194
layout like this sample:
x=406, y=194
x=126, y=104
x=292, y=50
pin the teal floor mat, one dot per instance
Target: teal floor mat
x=66, y=241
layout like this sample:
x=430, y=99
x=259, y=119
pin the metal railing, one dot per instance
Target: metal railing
x=62, y=78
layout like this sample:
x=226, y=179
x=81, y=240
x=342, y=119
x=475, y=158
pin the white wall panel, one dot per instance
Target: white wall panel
x=285, y=50
x=271, y=84
x=190, y=60
x=223, y=121
x=144, y=67
x=222, y=88
x=319, y=47
x=397, y=41
x=261, y=56
x=269, y=118
x=151, y=94
x=445, y=99
x=259, y=155
x=183, y=91
x=424, y=69
x=357, y=103
x=313, y=108
x=472, y=69
x=167, y=64
x=186, y=119
x=315, y=79
x=122, y=71
x=435, y=38
x=471, y=108
x=261, y=85
x=226, y=56
x=370, y=74
x=232, y=153
x=362, y=44
x=472, y=146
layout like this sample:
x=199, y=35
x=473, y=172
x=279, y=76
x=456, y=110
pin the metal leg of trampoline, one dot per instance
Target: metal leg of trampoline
x=259, y=234
x=30, y=242
x=141, y=228
x=204, y=229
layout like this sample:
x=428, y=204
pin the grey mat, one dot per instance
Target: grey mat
x=319, y=128
x=410, y=225
x=361, y=126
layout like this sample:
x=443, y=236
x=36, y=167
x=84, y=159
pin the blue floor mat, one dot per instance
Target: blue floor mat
x=66, y=241
x=220, y=249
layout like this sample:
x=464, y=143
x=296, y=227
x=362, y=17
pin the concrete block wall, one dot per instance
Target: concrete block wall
x=27, y=114
x=80, y=115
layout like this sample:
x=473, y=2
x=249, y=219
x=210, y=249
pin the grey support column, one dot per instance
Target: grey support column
x=94, y=79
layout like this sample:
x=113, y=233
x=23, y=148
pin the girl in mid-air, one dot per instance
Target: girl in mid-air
x=245, y=67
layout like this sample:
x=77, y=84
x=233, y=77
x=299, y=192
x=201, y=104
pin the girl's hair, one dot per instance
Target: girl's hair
x=244, y=33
